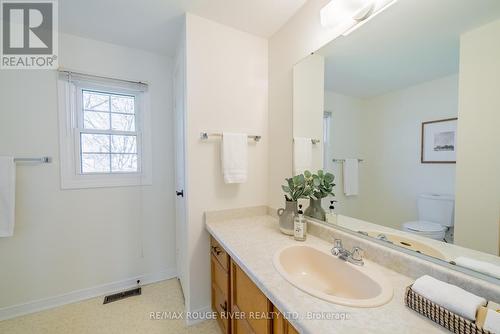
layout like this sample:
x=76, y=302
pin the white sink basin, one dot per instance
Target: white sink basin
x=323, y=275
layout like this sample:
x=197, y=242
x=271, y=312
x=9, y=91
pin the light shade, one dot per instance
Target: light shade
x=344, y=16
x=339, y=13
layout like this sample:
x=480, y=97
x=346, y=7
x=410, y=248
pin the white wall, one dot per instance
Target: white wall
x=299, y=37
x=478, y=142
x=227, y=88
x=75, y=239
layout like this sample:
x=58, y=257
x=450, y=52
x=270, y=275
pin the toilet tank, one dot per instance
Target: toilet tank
x=436, y=208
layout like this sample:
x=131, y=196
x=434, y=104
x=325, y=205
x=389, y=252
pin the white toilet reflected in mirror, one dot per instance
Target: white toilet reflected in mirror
x=435, y=217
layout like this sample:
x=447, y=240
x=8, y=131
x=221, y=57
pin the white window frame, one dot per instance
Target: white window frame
x=71, y=126
x=327, y=128
x=80, y=128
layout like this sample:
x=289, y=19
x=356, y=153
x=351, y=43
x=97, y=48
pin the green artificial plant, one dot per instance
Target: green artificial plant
x=321, y=184
x=297, y=187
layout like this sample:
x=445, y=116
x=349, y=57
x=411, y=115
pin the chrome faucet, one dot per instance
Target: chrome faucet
x=355, y=256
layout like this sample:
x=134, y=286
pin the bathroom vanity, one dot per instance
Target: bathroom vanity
x=244, y=279
x=394, y=115
x=234, y=295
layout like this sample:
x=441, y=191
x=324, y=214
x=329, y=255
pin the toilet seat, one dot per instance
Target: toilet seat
x=426, y=229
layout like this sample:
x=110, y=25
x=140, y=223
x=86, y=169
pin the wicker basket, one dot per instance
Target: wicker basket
x=440, y=315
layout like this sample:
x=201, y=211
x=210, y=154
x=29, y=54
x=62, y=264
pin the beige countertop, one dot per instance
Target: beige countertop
x=252, y=242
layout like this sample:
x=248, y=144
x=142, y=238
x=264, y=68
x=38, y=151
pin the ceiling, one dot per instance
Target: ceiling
x=410, y=43
x=154, y=25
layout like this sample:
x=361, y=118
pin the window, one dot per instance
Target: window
x=327, y=146
x=104, y=126
x=108, y=135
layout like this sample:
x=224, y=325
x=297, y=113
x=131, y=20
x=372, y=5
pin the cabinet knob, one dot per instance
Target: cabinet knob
x=216, y=250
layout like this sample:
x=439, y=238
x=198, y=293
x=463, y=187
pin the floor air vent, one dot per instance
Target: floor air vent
x=122, y=295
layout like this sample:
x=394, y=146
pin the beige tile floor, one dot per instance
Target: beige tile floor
x=131, y=315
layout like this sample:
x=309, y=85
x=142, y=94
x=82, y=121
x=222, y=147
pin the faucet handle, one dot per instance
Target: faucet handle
x=337, y=247
x=357, y=254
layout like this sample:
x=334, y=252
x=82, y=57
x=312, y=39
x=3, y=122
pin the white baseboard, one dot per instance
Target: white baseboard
x=204, y=310
x=79, y=295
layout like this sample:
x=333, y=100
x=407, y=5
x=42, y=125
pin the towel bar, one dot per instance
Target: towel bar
x=205, y=135
x=343, y=160
x=315, y=141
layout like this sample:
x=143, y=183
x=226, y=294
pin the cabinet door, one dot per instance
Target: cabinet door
x=280, y=324
x=220, y=293
x=220, y=305
x=220, y=277
x=291, y=329
x=249, y=302
x=219, y=253
x=241, y=326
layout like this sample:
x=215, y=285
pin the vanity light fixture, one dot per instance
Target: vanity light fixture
x=345, y=16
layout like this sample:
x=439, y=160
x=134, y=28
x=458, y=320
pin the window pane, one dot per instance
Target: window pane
x=95, y=101
x=124, y=144
x=122, y=122
x=124, y=163
x=95, y=163
x=123, y=104
x=96, y=120
x=92, y=143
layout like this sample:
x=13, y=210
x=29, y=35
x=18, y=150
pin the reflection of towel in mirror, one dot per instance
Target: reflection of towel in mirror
x=302, y=155
x=479, y=266
x=351, y=177
x=449, y=296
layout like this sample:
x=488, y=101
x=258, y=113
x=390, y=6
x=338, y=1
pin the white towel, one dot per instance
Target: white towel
x=7, y=196
x=302, y=155
x=479, y=266
x=492, y=322
x=234, y=157
x=449, y=296
x=351, y=177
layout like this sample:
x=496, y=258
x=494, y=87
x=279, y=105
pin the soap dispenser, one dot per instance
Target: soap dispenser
x=299, y=226
x=331, y=216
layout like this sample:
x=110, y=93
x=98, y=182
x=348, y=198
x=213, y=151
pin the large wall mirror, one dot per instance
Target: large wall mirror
x=405, y=112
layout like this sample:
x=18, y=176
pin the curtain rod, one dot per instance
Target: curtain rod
x=42, y=160
x=68, y=71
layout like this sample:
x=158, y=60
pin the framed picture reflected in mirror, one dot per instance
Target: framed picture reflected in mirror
x=439, y=141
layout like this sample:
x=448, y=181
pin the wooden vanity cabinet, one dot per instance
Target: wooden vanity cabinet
x=221, y=285
x=281, y=325
x=248, y=300
x=291, y=329
x=240, y=305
